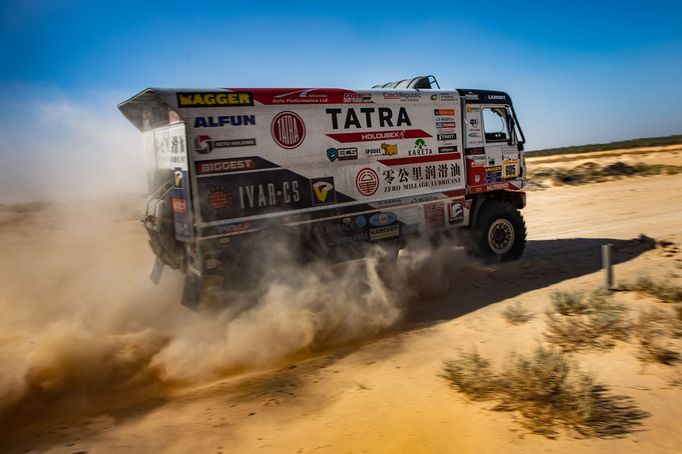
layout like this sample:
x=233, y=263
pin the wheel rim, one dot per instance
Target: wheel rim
x=501, y=236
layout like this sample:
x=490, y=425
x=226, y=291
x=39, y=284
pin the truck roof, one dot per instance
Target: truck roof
x=158, y=98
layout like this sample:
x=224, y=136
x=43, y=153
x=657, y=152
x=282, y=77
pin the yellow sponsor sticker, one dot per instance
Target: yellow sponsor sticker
x=214, y=99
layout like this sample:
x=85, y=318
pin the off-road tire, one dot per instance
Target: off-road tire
x=499, y=233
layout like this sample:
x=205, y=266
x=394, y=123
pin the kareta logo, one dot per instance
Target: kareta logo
x=323, y=190
x=214, y=99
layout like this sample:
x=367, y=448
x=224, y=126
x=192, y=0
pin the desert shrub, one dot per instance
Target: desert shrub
x=516, y=314
x=598, y=324
x=568, y=303
x=651, y=329
x=548, y=390
x=471, y=374
x=654, y=351
x=663, y=290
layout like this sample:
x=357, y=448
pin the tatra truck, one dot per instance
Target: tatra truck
x=332, y=171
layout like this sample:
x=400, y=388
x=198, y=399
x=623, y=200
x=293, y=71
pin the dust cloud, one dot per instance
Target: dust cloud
x=81, y=325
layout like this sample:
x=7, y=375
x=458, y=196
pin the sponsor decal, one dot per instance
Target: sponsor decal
x=474, y=151
x=473, y=122
x=219, y=198
x=444, y=137
x=490, y=97
x=471, y=96
x=455, y=212
x=203, y=144
x=385, y=150
x=360, y=221
x=177, y=178
x=288, y=130
x=476, y=161
x=375, y=136
x=474, y=138
x=443, y=112
x=420, y=149
x=224, y=120
x=494, y=187
x=421, y=176
x=449, y=149
x=368, y=117
x=179, y=205
x=445, y=119
x=357, y=97
x=268, y=195
x=235, y=228
x=342, y=154
x=511, y=170
x=303, y=96
x=445, y=124
x=418, y=159
x=323, y=190
x=403, y=96
x=225, y=165
x=214, y=99
x=389, y=231
x=382, y=219
x=493, y=174
x=443, y=96
x=367, y=181
x=434, y=215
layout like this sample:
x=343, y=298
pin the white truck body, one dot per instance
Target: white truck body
x=348, y=166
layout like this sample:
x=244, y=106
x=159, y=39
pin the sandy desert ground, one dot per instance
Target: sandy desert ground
x=97, y=359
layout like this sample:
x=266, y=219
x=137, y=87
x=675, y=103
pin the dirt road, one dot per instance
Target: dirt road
x=378, y=395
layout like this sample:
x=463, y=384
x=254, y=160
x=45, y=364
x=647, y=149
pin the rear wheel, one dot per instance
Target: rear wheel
x=500, y=232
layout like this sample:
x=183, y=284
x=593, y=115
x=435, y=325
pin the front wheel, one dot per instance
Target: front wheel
x=500, y=232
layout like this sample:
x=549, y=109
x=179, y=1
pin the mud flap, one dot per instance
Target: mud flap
x=191, y=293
x=157, y=271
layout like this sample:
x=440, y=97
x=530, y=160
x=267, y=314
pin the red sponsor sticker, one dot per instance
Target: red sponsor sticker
x=179, y=205
x=288, y=130
x=367, y=181
x=373, y=136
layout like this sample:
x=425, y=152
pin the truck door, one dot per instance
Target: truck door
x=492, y=154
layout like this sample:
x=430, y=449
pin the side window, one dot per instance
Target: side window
x=495, y=124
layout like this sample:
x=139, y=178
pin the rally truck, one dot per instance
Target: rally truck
x=331, y=171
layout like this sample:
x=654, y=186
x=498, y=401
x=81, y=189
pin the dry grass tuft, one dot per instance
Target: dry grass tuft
x=548, y=390
x=663, y=291
x=651, y=329
x=568, y=303
x=594, y=323
x=516, y=314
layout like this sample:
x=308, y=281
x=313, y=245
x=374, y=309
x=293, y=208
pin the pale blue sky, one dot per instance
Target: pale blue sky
x=579, y=73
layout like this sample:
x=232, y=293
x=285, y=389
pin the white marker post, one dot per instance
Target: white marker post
x=606, y=264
